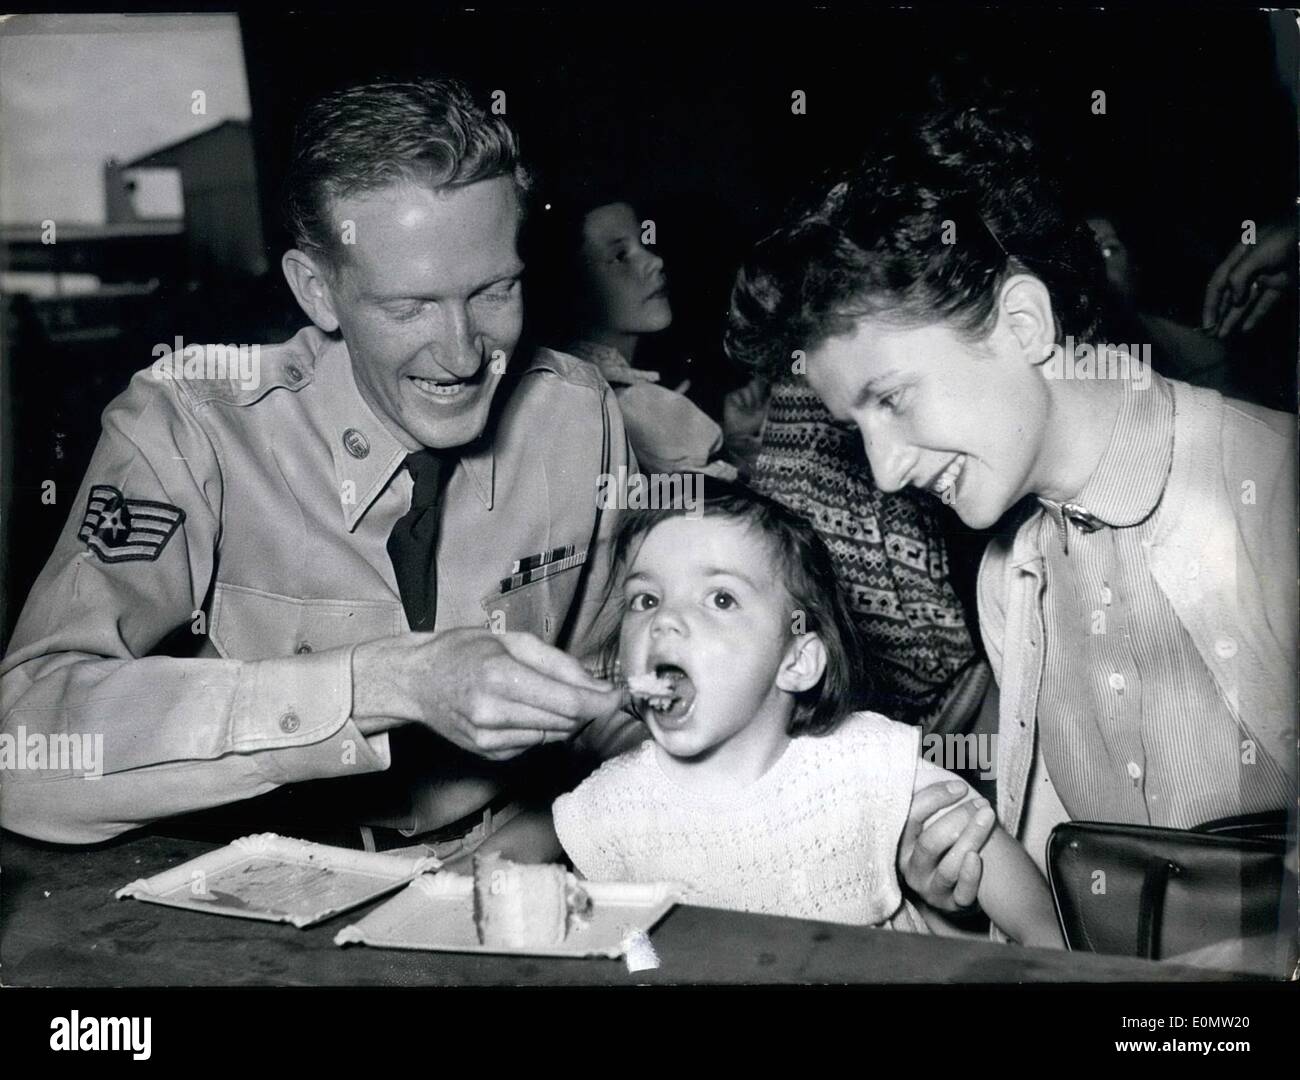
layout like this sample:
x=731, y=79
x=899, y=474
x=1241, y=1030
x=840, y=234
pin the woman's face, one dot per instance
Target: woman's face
x=966, y=424
x=625, y=287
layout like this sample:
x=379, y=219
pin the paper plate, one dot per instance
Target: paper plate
x=436, y=912
x=278, y=879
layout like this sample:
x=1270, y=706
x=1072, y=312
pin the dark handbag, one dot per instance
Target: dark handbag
x=1140, y=891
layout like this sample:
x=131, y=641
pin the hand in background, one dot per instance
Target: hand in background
x=1250, y=281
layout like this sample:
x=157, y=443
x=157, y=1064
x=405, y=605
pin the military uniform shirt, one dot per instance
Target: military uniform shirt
x=280, y=500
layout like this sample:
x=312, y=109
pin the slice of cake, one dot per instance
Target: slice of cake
x=518, y=906
x=656, y=690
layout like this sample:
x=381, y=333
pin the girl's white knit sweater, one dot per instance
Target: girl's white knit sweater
x=815, y=837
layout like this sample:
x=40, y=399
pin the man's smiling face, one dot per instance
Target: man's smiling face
x=966, y=422
x=426, y=298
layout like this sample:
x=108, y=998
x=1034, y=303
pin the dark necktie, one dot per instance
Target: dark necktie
x=414, y=539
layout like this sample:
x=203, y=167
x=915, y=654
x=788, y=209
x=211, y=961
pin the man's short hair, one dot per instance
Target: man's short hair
x=431, y=132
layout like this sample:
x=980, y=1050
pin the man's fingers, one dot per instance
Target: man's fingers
x=1267, y=301
x=516, y=739
x=498, y=714
x=519, y=686
x=1212, y=309
x=1230, y=320
x=549, y=660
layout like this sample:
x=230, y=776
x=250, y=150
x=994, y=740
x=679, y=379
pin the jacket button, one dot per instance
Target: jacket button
x=355, y=443
x=1225, y=648
x=294, y=373
x=289, y=723
x=1116, y=681
x=303, y=647
x=1135, y=770
x=1105, y=595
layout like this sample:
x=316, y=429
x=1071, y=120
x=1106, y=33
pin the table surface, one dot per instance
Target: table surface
x=61, y=926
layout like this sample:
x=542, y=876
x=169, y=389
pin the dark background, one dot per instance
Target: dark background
x=692, y=110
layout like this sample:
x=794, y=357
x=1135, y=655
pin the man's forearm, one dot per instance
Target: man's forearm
x=159, y=736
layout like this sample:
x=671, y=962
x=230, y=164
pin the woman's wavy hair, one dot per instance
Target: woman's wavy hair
x=924, y=229
x=806, y=573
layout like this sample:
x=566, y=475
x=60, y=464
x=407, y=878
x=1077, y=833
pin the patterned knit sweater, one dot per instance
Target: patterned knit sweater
x=888, y=548
x=815, y=837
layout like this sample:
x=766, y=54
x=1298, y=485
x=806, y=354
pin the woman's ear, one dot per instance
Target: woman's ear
x=803, y=665
x=1025, y=311
x=313, y=287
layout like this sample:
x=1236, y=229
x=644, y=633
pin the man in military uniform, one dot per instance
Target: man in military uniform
x=389, y=542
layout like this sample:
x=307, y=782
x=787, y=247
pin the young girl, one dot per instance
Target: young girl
x=761, y=790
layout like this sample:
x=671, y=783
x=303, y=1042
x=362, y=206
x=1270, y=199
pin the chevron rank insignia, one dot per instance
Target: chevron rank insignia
x=118, y=529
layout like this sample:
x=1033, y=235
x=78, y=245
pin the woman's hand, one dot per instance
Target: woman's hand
x=940, y=861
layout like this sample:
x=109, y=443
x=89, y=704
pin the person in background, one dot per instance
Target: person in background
x=1177, y=351
x=596, y=290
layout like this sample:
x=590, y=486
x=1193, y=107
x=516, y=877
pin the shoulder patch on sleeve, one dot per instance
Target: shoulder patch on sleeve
x=118, y=529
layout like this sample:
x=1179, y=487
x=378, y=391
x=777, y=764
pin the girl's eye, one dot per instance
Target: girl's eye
x=643, y=602
x=722, y=600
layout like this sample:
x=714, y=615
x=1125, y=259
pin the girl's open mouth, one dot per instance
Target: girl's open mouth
x=667, y=695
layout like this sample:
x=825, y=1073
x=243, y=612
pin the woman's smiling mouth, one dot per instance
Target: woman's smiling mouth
x=947, y=479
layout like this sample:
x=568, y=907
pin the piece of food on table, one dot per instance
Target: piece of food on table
x=518, y=906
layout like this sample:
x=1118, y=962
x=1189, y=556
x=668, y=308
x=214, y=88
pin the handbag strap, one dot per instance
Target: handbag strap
x=1269, y=823
x=1151, y=906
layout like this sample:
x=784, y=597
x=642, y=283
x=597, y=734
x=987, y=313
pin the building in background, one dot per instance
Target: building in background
x=223, y=222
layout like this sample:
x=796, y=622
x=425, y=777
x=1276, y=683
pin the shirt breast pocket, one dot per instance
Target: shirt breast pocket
x=538, y=607
x=249, y=624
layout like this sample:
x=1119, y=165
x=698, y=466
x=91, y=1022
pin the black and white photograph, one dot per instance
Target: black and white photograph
x=650, y=496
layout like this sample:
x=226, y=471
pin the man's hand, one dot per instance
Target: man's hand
x=495, y=695
x=1250, y=281
x=941, y=862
